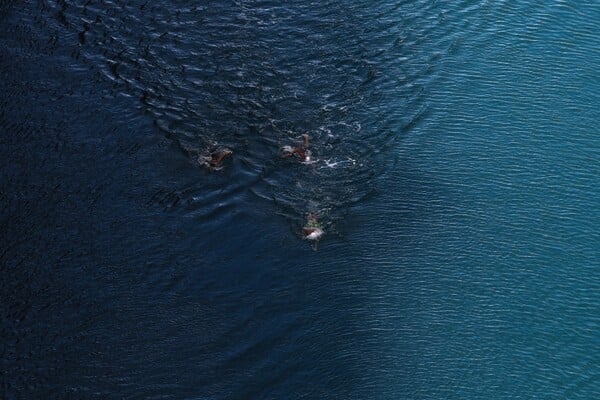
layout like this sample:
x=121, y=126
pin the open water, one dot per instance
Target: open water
x=456, y=172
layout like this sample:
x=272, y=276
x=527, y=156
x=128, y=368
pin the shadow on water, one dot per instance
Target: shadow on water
x=130, y=270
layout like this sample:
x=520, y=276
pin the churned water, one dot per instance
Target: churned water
x=455, y=169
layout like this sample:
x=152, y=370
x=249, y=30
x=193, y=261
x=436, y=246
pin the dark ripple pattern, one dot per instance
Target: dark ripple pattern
x=253, y=77
x=457, y=175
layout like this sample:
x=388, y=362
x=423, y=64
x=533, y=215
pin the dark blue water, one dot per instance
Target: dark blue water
x=456, y=174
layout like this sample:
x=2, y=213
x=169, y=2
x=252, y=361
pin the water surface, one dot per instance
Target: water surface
x=456, y=174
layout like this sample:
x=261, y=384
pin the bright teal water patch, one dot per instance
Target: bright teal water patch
x=492, y=289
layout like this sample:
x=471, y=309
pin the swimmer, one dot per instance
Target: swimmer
x=299, y=151
x=206, y=158
x=313, y=230
x=217, y=157
x=214, y=159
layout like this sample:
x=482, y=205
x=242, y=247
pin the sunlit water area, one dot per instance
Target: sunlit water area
x=454, y=171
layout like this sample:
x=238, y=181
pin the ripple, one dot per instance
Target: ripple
x=203, y=82
x=453, y=165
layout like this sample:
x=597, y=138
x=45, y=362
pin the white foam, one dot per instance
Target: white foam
x=315, y=235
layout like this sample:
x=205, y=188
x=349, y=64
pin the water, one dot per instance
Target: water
x=456, y=174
